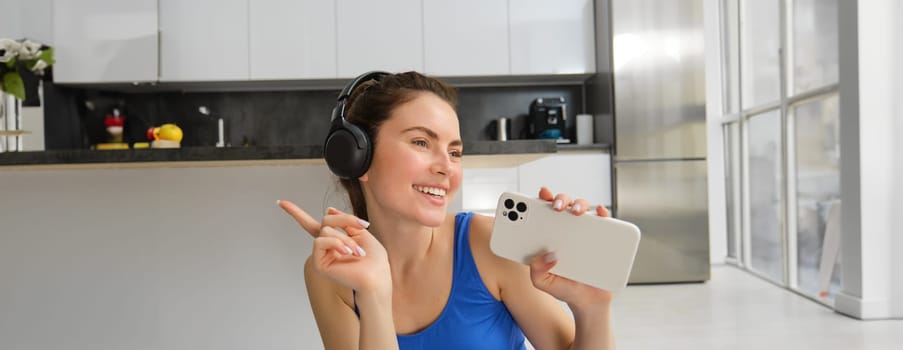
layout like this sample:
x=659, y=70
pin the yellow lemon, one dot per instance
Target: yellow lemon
x=170, y=132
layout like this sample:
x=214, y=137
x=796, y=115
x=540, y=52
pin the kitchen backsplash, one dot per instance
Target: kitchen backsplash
x=74, y=116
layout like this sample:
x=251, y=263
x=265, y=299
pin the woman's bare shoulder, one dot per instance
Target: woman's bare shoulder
x=481, y=228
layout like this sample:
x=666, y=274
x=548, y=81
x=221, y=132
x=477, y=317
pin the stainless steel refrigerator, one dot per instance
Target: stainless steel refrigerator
x=656, y=65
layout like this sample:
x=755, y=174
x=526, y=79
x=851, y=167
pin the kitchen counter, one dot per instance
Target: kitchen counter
x=477, y=154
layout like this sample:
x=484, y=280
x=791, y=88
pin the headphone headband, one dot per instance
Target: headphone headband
x=348, y=89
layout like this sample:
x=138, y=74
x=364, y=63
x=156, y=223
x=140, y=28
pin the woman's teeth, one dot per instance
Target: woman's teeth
x=431, y=190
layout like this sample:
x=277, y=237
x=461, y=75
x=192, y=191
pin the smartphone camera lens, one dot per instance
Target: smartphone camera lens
x=509, y=203
x=512, y=215
x=521, y=207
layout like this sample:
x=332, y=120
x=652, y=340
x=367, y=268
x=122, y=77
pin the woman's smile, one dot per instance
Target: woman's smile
x=434, y=194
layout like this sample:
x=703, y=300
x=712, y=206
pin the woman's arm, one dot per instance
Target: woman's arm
x=593, y=327
x=591, y=306
x=339, y=326
x=342, y=262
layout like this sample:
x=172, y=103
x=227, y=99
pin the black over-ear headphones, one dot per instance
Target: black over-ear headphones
x=348, y=149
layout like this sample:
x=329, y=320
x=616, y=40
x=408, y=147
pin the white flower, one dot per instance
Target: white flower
x=29, y=50
x=8, y=49
x=38, y=67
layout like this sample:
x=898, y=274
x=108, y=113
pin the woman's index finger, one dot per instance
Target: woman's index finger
x=306, y=221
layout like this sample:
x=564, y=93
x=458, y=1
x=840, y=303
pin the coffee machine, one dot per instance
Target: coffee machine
x=548, y=119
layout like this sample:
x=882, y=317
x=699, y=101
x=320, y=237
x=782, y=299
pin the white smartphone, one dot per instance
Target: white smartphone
x=595, y=250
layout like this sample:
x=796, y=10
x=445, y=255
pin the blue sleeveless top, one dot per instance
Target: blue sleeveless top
x=472, y=317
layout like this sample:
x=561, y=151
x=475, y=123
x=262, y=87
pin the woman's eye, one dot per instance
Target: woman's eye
x=456, y=154
x=421, y=143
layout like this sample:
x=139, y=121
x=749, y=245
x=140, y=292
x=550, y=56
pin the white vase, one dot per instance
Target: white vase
x=10, y=123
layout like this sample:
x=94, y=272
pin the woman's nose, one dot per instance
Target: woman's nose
x=442, y=163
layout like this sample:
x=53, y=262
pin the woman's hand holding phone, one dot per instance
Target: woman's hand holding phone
x=575, y=293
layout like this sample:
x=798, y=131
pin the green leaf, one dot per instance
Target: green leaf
x=11, y=63
x=47, y=56
x=29, y=64
x=13, y=85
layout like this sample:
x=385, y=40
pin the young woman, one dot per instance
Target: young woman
x=402, y=273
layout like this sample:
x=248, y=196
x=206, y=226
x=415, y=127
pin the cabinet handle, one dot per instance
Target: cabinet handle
x=159, y=54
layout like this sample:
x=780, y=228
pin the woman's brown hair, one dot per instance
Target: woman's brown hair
x=372, y=103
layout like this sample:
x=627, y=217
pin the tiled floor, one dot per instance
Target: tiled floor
x=736, y=310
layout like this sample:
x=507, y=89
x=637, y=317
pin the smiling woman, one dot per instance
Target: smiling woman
x=405, y=274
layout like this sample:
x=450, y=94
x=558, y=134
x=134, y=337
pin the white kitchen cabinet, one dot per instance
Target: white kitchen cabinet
x=379, y=35
x=105, y=41
x=552, y=37
x=203, y=40
x=584, y=175
x=465, y=37
x=292, y=39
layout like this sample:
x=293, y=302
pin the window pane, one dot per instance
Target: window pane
x=730, y=55
x=814, y=44
x=765, y=175
x=731, y=183
x=818, y=185
x=759, y=52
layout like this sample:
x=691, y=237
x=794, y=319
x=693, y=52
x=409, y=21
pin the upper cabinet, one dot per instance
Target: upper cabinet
x=204, y=40
x=112, y=41
x=292, y=39
x=379, y=35
x=466, y=37
x=105, y=41
x=552, y=37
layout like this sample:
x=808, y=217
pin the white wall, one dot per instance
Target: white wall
x=188, y=258
x=896, y=246
x=715, y=149
x=871, y=111
x=27, y=19
x=10, y=26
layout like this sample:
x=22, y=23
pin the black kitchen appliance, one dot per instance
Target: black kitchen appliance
x=547, y=119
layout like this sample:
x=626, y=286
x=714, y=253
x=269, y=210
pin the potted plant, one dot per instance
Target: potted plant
x=18, y=57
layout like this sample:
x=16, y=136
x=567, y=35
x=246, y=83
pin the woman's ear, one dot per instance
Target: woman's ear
x=365, y=177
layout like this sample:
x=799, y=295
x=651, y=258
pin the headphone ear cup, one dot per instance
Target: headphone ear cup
x=348, y=151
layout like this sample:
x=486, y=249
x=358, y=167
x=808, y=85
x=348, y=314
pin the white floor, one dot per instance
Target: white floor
x=736, y=310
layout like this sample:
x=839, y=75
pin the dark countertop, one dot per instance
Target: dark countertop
x=476, y=153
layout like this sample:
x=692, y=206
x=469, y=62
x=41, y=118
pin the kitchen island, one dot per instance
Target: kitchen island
x=162, y=248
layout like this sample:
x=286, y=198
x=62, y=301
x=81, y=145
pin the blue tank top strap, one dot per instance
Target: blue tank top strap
x=354, y=298
x=464, y=262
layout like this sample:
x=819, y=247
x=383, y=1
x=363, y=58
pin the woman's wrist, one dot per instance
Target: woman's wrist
x=591, y=304
x=590, y=298
x=590, y=309
x=377, y=327
x=593, y=326
x=374, y=303
x=375, y=293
